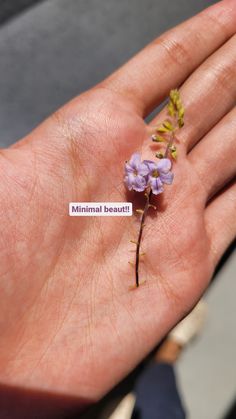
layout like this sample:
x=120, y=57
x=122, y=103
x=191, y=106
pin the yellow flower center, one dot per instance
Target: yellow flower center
x=155, y=173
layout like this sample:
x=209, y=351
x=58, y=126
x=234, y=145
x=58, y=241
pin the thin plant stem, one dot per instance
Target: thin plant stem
x=148, y=197
x=170, y=143
x=147, y=205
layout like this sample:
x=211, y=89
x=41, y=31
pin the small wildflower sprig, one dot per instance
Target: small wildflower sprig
x=149, y=176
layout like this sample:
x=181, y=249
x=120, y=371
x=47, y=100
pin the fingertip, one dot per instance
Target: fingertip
x=230, y=4
x=225, y=13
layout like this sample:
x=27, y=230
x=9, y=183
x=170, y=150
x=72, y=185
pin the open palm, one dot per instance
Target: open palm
x=71, y=323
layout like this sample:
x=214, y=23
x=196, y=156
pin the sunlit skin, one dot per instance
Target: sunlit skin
x=69, y=321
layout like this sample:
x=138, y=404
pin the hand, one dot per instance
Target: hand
x=69, y=323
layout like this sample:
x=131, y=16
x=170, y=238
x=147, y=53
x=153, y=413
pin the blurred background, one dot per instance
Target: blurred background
x=52, y=50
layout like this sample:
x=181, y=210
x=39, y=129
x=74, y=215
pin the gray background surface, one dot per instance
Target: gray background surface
x=57, y=49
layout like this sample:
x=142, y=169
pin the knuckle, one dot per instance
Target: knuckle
x=216, y=22
x=176, y=51
x=224, y=75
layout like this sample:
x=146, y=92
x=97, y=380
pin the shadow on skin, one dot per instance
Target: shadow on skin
x=23, y=403
x=138, y=199
x=19, y=403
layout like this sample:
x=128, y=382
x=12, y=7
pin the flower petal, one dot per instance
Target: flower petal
x=129, y=168
x=129, y=180
x=150, y=164
x=143, y=169
x=167, y=177
x=139, y=183
x=156, y=185
x=135, y=161
x=164, y=165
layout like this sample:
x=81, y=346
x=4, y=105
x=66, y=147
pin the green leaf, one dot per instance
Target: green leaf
x=171, y=109
x=173, y=151
x=180, y=122
x=176, y=108
x=158, y=139
x=162, y=129
x=167, y=124
x=174, y=96
x=174, y=154
x=181, y=112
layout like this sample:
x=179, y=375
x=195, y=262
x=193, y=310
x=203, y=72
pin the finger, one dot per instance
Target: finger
x=214, y=157
x=208, y=94
x=167, y=61
x=220, y=218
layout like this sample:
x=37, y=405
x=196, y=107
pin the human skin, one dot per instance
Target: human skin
x=69, y=322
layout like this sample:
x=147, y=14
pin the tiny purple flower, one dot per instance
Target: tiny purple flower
x=159, y=173
x=136, y=173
